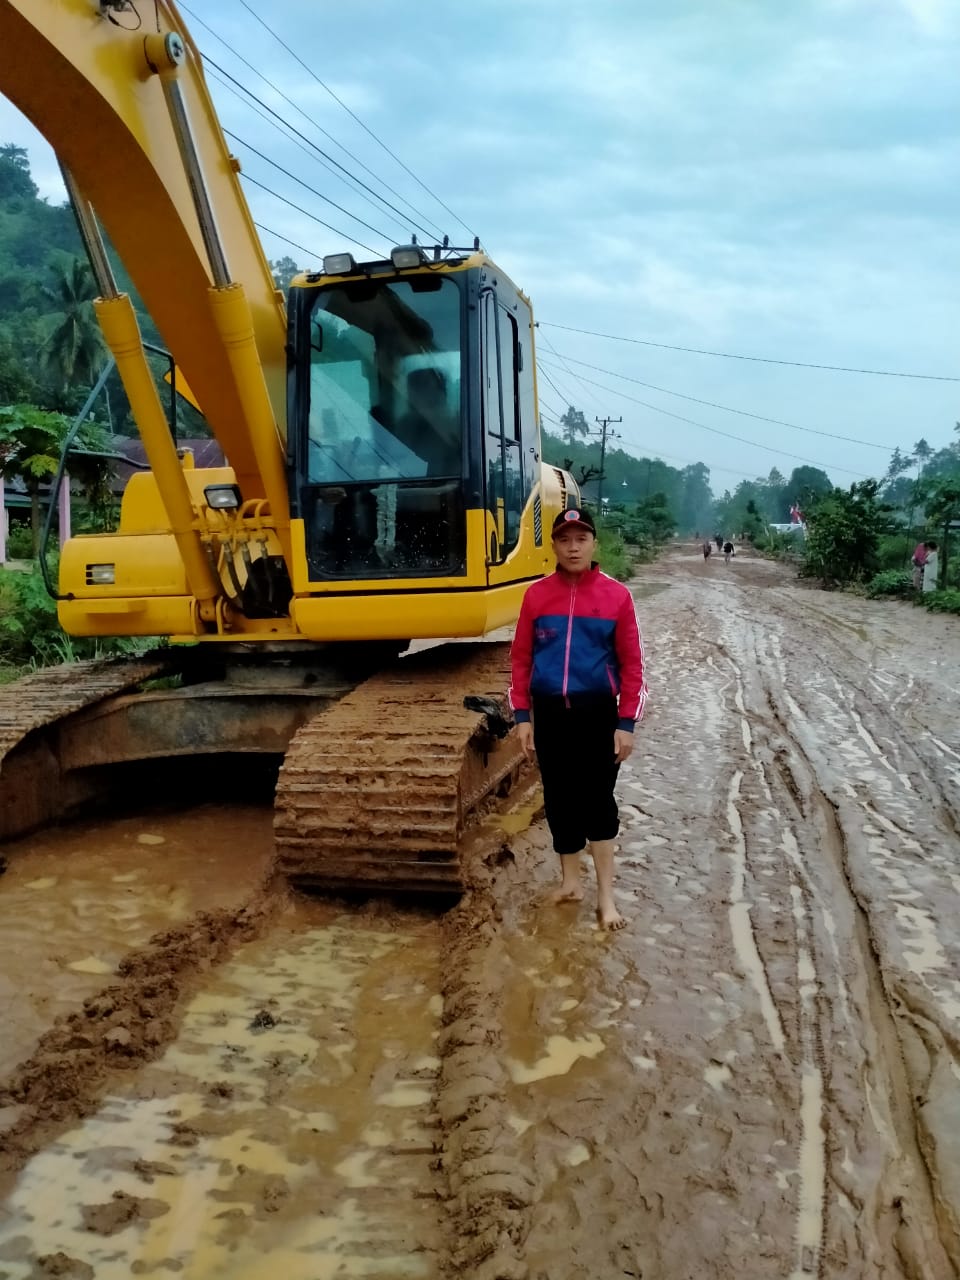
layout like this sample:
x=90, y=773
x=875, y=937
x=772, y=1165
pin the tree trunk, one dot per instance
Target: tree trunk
x=36, y=524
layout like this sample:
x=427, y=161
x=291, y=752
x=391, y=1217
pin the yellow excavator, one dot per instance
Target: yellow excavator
x=384, y=485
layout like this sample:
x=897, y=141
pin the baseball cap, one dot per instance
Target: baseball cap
x=574, y=517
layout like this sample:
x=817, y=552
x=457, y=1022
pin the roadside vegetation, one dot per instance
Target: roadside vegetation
x=51, y=352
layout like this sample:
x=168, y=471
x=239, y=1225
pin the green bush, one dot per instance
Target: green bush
x=30, y=632
x=895, y=550
x=891, y=582
x=613, y=555
x=941, y=601
x=20, y=542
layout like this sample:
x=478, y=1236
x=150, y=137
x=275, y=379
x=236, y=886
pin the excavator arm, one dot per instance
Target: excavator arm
x=116, y=89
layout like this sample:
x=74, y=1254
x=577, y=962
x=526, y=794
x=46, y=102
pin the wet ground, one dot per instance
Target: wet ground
x=759, y=1077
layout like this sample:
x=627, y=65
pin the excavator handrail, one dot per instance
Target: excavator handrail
x=65, y=451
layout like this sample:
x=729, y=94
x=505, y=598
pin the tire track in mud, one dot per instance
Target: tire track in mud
x=185, y=1069
x=125, y=1025
x=914, y=1208
x=291, y=1115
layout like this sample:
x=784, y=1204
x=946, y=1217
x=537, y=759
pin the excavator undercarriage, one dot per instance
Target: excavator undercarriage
x=381, y=773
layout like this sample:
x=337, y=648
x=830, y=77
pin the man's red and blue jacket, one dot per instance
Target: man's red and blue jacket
x=578, y=638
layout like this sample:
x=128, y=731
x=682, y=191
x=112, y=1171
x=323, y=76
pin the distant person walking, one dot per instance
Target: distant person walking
x=930, y=566
x=577, y=674
x=707, y=548
x=727, y=551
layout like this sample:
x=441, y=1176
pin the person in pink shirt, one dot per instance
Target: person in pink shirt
x=920, y=555
x=577, y=691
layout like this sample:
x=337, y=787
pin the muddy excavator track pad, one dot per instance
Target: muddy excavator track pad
x=376, y=791
x=55, y=692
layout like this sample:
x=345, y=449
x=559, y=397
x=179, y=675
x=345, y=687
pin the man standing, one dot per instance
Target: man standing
x=577, y=670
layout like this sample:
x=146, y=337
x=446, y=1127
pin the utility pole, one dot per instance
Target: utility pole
x=604, y=424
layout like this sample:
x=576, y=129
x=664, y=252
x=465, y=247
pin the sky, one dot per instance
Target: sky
x=778, y=181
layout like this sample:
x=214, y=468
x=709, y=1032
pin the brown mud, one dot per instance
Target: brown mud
x=759, y=1076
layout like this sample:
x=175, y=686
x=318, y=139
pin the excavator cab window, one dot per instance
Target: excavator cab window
x=383, y=489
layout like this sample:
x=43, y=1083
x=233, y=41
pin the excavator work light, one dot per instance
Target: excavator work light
x=223, y=497
x=407, y=255
x=101, y=575
x=339, y=264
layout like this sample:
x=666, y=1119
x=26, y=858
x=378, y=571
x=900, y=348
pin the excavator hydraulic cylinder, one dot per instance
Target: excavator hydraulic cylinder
x=232, y=317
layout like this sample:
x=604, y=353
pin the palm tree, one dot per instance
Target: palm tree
x=74, y=347
x=31, y=440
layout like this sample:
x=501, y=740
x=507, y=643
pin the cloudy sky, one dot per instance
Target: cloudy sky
x=741, y=176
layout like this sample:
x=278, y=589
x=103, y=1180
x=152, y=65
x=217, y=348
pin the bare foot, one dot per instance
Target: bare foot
x=567, y=893
x=610, y=918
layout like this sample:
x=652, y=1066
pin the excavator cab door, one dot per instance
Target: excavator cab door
x=509, y=432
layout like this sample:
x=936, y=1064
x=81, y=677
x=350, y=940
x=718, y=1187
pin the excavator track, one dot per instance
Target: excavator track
x=376, y=791
x=37, y=700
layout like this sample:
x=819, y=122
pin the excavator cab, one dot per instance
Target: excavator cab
x=413, y=442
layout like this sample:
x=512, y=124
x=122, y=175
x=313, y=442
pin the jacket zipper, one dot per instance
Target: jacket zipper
x=566, y=656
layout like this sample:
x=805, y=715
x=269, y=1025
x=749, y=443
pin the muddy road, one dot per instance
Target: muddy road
x=202, y=1075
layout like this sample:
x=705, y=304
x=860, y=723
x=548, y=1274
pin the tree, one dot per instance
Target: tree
x=15, y=180
x=843, y=533
x=899, y=463
x=284, y=269
x=75, y=345
x=31, y=441
x=922, y=453
x=696, y=500
x=807, y=483
x=941, y=499
x=574, y=424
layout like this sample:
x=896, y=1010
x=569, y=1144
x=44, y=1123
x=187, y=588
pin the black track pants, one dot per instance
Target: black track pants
x=575, y=752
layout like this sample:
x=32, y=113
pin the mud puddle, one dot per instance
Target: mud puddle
x=289, y=1129
x=75, y=900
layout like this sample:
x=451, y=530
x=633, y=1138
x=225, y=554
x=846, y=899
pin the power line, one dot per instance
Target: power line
x=282, y=129
x=286, y=239
x=729, y=355
x=543, y=373
x=306, y=212
x=311, y=143
x=658, y=456
x=715, y=431
x=319, y=127
x=313, y=191
x=712, y=404
x=310, y=71
x=562, y=360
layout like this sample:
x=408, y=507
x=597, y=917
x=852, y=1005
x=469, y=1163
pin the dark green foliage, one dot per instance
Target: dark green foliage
x=15, y=180
x=612, y=554
x=843, y=534
x=894, y=550
x=891, y=582
x=74, y=347
x=30, y=634
x=941, y=601
x=31, y=441
x=575, y=426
